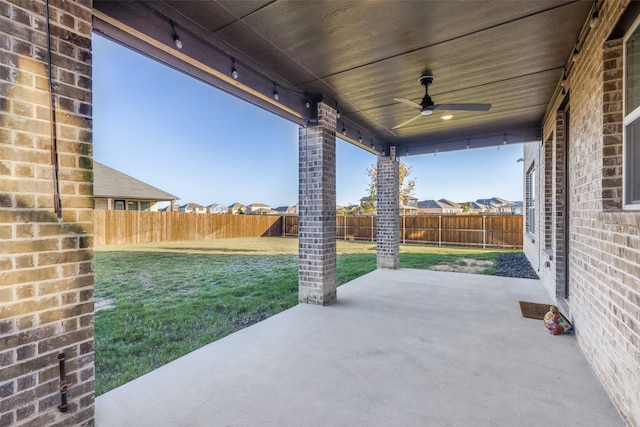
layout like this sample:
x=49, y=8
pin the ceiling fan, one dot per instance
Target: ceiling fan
x=427, y=106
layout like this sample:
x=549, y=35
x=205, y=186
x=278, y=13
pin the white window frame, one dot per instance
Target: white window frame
x=627, y=120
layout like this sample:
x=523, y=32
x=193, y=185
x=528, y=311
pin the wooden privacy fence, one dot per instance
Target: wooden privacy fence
x=486, y=231
x=122, y=227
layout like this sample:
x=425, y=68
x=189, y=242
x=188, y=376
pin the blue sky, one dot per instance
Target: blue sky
x=205, y=146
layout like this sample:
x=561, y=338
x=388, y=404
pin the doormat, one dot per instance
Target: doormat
x=534, y=310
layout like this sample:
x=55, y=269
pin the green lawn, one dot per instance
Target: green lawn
x=174, y=297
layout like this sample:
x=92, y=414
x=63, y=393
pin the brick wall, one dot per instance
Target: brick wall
x=317, y=280
x=46, y=281
x=388, y=210
x=604, y=239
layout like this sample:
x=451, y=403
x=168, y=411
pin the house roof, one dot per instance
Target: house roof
x=494, y=201
x=193, y=206
x=433, y=204
x=108, y=182
x=215, y=205
x=476, y=205
x=450, y=203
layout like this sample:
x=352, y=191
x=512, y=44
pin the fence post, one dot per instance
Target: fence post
x=484, y=231
x=344, y=226
x=439, y=230
x=404, y=229
x=372, y=230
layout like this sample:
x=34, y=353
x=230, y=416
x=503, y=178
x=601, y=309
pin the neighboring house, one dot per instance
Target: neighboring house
x=430, y=207
x=286, y=210
x=357, y=210
x=501, y=206
x=493, y=204
x=217, y=208
x=496, y=201
x=455, y=207
x=172, y=207
x=341, y=210
x=350, y=210
x=237, y=208
x=114, y=190
x=367, y=206
x=513, y=208
x=258, y=209
x=409, y=206
x=442, y=206
x=474, y=207
x=192, y=208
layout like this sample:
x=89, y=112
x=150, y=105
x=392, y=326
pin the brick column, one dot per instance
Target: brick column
x=388, y=210
x=46, y=257
x=317, y=210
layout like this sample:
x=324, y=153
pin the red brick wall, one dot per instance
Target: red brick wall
x=46, y=262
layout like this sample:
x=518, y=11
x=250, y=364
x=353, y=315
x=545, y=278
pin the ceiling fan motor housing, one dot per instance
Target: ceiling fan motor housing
x=426, y=100
x=426, y=80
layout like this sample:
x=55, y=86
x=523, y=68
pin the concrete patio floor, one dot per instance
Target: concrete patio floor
x=400, y=348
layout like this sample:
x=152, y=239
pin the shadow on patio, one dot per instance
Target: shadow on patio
x=400, y=348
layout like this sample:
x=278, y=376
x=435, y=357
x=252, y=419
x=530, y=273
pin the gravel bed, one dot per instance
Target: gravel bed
x=514, y=264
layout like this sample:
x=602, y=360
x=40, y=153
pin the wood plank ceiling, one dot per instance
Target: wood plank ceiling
x=360, y=55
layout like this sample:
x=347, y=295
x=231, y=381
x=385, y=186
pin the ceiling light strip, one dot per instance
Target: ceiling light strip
x=187, y=59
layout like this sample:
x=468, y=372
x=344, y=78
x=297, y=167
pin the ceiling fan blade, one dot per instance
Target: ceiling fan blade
x=461, y=107
x=407, y=122
x=408, y=103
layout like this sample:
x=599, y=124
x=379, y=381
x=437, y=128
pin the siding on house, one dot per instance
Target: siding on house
x=287, y=210
x=216, y=208
x=192, y=208
x=237, y=208
x=258, y=209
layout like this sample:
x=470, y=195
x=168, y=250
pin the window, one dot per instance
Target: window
x=132, y=206
x=144, y=206
x=631, y=148
x=530, y=194
x=118, y=205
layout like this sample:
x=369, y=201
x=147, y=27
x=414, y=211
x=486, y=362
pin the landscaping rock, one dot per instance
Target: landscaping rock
x=514, y=264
